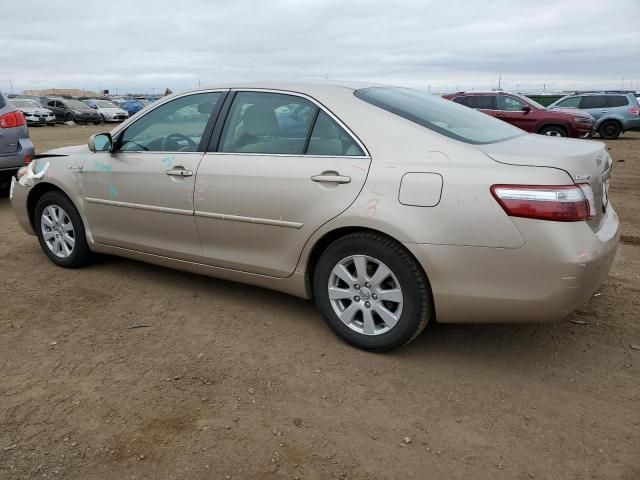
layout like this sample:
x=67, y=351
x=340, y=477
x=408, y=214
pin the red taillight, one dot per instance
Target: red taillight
x=560, y=203
x=28, y=159
x=635, y=111
x=12, y=120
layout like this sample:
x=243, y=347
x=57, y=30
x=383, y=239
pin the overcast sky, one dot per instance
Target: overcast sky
x=147, y=45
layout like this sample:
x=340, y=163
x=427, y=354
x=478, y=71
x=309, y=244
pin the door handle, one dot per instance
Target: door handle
x=331, y=179
x=179, y=172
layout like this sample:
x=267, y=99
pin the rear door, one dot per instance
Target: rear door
x=8, y=135
x=484, y=103
x=282, y=168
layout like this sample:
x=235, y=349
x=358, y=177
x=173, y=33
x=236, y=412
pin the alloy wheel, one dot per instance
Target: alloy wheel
x=57, y=231
x=365, y=294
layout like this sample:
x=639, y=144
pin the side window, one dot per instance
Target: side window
x=617, y=101
x=461, y=100
x=484, y=102
x=571, y=102
x=176, y=126
x=328, y=138
x=508, y=104
x=269, y=123
x=593, y=101
x=2, y=102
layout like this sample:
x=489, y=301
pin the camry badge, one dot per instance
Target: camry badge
x=583, y=177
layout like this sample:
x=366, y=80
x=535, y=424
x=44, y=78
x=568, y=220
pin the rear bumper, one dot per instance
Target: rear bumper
x=557, y=270
x=633, y=124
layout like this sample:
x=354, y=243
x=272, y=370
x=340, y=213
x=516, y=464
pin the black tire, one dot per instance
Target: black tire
x=81, y=254
x=5, y=186
x=68, y=117
x=554, y=131
x=610, y=130
x=417, y=305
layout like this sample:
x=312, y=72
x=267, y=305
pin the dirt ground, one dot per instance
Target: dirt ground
x=127, y=370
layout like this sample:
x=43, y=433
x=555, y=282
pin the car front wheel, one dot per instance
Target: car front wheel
x=60, y=231
x=371, y=292
x=553, y=131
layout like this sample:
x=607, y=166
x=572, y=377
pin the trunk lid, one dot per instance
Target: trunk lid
x=585, y=161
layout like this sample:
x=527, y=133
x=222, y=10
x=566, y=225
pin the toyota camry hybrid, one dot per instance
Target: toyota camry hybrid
x=389, y=207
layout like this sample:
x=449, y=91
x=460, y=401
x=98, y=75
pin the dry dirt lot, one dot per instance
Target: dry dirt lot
x=127, y=370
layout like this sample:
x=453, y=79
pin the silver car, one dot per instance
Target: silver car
x=389, y=207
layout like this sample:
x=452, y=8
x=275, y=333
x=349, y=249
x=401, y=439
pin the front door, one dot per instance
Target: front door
x=283, y=167
x=140, y=197
x=510, y=110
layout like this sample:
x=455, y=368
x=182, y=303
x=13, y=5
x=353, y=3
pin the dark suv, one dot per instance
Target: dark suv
x=16, y=149
x=68, y=110
x=527, y=114
x=615, y=112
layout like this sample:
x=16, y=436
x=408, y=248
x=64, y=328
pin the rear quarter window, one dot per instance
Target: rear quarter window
x=617, y=101
x=2, y=101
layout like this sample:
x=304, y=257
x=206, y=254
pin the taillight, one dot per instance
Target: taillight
x=635, y=111
x=28, y=159
x=560, y=203
x=12, y=120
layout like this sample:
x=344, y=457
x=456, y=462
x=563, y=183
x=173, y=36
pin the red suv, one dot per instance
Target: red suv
x=528, y=115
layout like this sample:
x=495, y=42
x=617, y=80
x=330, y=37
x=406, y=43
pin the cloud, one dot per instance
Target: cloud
x=146, y=45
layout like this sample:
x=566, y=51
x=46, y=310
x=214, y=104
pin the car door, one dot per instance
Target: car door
x=282, y=167
x=510, y=109
x=57, y=107
x=140, y=196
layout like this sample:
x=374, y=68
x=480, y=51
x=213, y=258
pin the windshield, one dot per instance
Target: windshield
x=76, y=104
x=24, y=103
x=104, y=104
x=442, y=116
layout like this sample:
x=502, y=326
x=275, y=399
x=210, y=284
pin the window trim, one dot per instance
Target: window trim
x=214, y=143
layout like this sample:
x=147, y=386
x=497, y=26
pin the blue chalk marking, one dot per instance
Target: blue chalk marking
x=113, y=191
x=101, y=166
x=168, y=160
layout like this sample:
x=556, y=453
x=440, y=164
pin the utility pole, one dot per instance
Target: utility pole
x=11, y=85
x=500, y=81
x=622, y=84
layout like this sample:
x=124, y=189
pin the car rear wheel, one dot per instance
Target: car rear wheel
x=554, y=131
x=610, y=130
x=60, y=231
x=68, y=117
x=371, y=292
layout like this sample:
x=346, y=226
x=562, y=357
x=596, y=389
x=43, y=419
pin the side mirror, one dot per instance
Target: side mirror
x=100, y=142
x=94, y=107
x=526, y=109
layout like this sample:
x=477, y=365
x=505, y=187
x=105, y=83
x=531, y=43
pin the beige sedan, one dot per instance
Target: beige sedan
x=390, y=207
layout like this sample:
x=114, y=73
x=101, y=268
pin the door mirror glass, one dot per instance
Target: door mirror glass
x=100, y=142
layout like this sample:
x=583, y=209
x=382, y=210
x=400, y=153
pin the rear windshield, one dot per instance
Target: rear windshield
x=442, y=116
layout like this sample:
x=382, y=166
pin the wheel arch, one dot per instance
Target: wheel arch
x=331, y=236
x=564, y=126
x=609, y=119
x=37, y=191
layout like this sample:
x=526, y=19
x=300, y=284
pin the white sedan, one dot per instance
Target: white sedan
x=110, y=112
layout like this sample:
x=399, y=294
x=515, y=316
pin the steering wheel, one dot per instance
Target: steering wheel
x=170, y=143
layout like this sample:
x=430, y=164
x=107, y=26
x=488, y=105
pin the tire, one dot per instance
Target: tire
x=67, y=214
x=68, y=117
x=554, y=131
x=610, y=130
x=5, y=186
x=412, y=309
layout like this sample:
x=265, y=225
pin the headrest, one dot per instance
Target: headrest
x=260, y=121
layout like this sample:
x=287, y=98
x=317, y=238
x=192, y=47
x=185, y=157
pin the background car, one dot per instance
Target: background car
x=109, y=111
x=615, y=113
x=70, y=110
x=133, y=106
x=526, y=114
x=16, y=149
x=33, y=112
x=432, y=210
